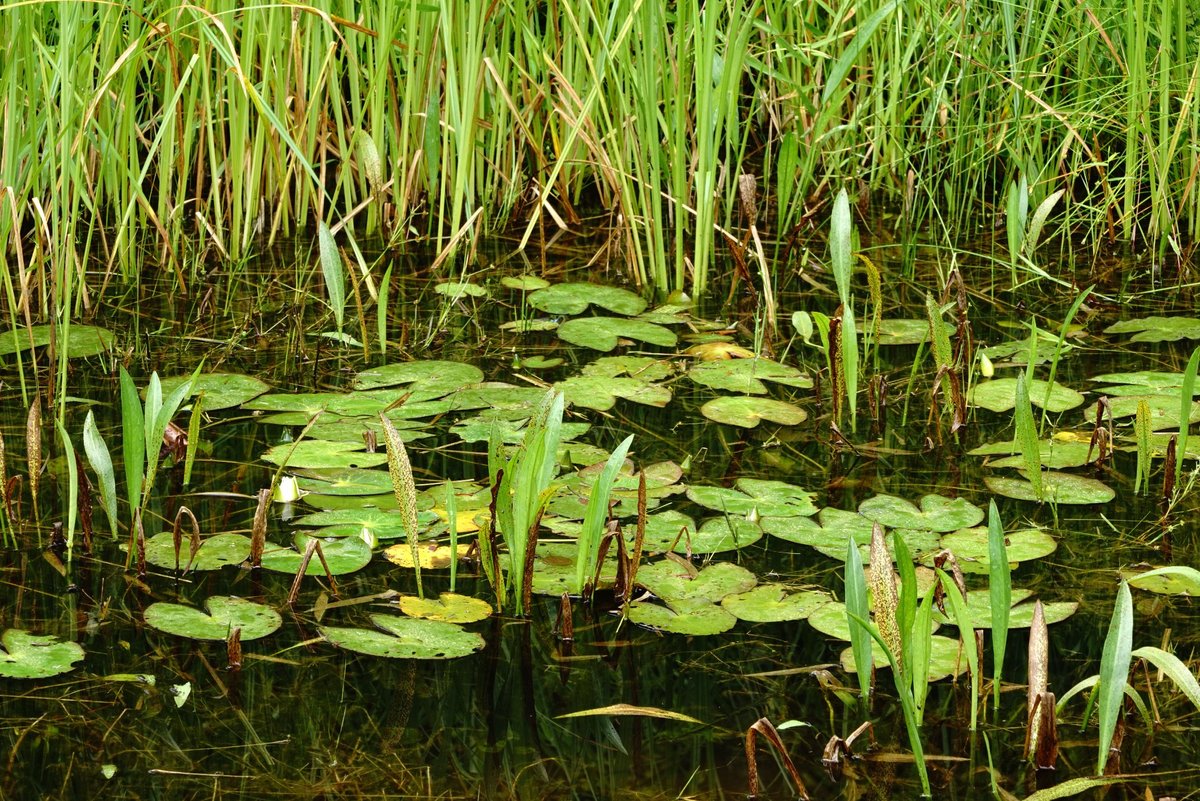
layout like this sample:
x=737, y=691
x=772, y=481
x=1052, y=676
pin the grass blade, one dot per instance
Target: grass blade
x=133, y=435
x=1185, y=410
x=334, y=272
x=857, y=612
x=100, y=459
x=1114, y=670
x=1000, y=590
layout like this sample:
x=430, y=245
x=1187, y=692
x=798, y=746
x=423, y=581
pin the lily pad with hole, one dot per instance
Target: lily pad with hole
x=221, y=390
x=433, y=555
x=605, y=333
x=697, y=620
x=343, y=555
x=1000, y=395
x=82, y=341
x=936, y=512
x=772, y=603
x=1060, y=488
x=601, y=393
x=1020, y=616
x=677, y=584
x=970, y=547
x=32, y=656
x=224, y=614
x=347, y=481
x=320, y=454
x=215, y=552
x=746, y=376
x=406, y=638
x=1164, y=410
x=829, y=536
x=752, y=495
x=749, y=411
x=1157, y=329
x=426, y=379
x=574, y=298
x=449, y=607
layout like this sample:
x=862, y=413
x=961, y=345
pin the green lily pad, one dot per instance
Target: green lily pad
x=830, y=619
x=83, y=340
x=30, y=656
x=221, y=390
x=946, y=659
x=772, y=603
x=343, y=555
x=697, y=620
x=1020, y=616
x=601, y=393
x=348, y=481
x=215, y=552
x=836, y=527
x=604, y=333
x=538, y=362
x=336, y=428
x=449, y=607
x=1157, y=329
x=457, y=290
x=936, y=513
x=224, y=614
x=904, y=332
x=574, y=298
x=323, y=455
x=721, y=534
x=531, y=325
x=1150, y=382
x=406, y=638
x=524, y=283
x=1000, y=395
x=752, y=495
x=643, y=368
x=1017, y=351
x=554, y=568
x=1063, y=488
x=970, y=547
x=1170, y=580
x=1056, y=453
x=384, y=524
x=512, y=432
x=432, y=555
x=676, y=585
x=748, y=411
x=1164, y=410
x=425, y=379
x=746, y=376
x=662, y=530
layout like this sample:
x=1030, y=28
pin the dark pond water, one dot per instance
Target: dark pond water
x=303, y=719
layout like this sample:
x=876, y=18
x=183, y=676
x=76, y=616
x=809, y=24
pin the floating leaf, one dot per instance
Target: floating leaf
x=433, y=556
x=1055, y=453
x=82, y=341
x=979, y=610
x=457, y=290
x=1157, y=329
x=449, y=607
x=999, y=395
x=406, y=638
x=772, y=603
x=1060, y=488
x=524, y=283
x=426, y=380
x=676, y=585
x=601, y=393
x=574, y=298
x=215, y=552
x=627, y=709
x=836, y=526
x=721, y=534
x=1164, y=410
x=970, y=546
x=349, y=481
x=343, y=555
x=697, y=620
x=746, y=376
x=767, y=498
x=384, y=524
x=1170, y=580
x=946, y=658
x=223, y=616
x=604, y=333
x=1149, y=382
x=747, y=411
x=904, y=332
x=221, y=390
x=323, y=455
x=936, y=513
x=30, y=656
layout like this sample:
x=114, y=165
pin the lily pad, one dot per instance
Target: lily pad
x=748, y=411
x=836, y=526
x=449, y=607
x=1157, y=329
x=31, y=656
x=349, y=481
x=970, y=547
x=574, y=298
x=336, y=428
x=343, y=555
x=1000, y=395
x=772, y=603
x=696, y=620
x=1164, y=410
x=406, y=638
x=323, y=455
x=215, y=552
x=425, y=379
x=721, y=534
x=1063, y=488
x=1020, y=616
x=946, y=658
x=1150, y=381
x=224, y=614
x=752, y=495
x=663, y=529
x=524, y=283
x=457, y=290
x=746, y=376
x=512, y=432
x=904, y=332
x=433, y=555
x=82, y=341
x=554, y=568
x=830, y=619
x=676, y=584
x=1056, y=453
x=601, y=393
x=382, y=523
x=1170, y=580
x=604, y=333
x=936, y=513
x=221, y=390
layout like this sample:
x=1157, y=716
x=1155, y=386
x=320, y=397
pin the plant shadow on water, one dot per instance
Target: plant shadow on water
x=152, y=714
